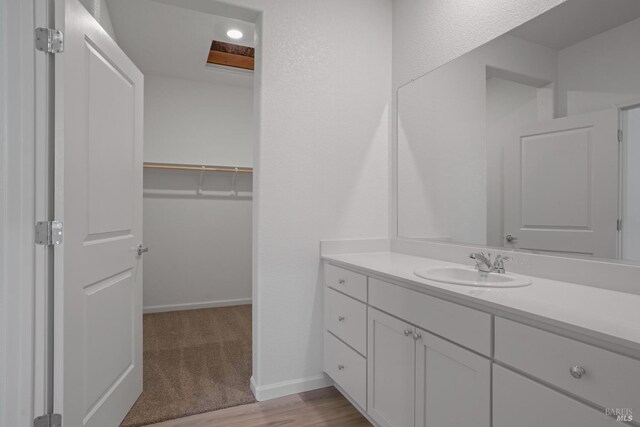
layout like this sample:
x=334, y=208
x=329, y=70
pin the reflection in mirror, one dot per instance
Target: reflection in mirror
x=515, y=144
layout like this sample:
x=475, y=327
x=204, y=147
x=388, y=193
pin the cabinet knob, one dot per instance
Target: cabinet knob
x=341, y=367
x=577, y=371
x=416, y=336
x=341, y=281
x=407, y=332
x=340, y=318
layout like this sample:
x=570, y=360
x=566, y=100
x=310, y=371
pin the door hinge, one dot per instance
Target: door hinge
x=49, y=420
x=620, y=135
x=49, y=233
x=49, y=40
x=619, y=225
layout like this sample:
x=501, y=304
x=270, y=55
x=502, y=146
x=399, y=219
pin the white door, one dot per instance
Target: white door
x=561, y=186
x=98, y=196
x=391, y=364
x=453, y=385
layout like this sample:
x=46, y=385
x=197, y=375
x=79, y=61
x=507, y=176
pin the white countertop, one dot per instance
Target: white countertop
x=601, y=314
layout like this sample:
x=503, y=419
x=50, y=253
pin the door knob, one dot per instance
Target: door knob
x=141, y=249
x=510, y=238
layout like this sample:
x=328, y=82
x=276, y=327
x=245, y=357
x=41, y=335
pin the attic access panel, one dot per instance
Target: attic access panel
x=231, y=55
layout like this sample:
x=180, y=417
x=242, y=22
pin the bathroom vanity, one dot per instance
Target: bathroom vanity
x=414, y=352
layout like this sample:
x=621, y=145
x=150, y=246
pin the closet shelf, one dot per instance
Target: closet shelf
x=199, y=168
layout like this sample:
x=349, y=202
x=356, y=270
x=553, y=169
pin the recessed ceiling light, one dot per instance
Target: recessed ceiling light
x=235, y=34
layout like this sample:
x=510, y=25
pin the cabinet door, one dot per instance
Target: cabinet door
x=453, y=385
x=391, y=368
x=520, y=402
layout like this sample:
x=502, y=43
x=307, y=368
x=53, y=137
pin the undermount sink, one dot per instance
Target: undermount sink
x=472, y=277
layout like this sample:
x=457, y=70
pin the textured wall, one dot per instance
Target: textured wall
x=428, y=33
x=322, y=164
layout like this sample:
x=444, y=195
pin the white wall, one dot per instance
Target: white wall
x=601, y=71
x=324, y=69
x=197, y=123
x=200, y=246
x=100, y=11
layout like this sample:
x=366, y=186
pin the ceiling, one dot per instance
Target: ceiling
x=577, y=20
x=174, y=41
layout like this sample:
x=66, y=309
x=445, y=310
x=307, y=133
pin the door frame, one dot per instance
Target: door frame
x=24, y=290
x=623, y=111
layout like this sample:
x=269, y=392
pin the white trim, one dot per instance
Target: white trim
x=196, y=305
x=286, y=388
x=20, y=397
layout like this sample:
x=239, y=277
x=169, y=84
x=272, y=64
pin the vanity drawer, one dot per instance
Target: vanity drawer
x=346, y=318
x=610, y=380
x=521, y=402
x=466, y=326
x=347, y=368
x=346, y=281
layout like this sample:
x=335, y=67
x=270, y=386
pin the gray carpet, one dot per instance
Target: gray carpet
x=194, y=361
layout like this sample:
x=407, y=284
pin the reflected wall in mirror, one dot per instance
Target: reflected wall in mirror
x=515, y=144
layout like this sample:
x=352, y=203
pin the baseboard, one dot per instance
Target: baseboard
x=196, y=305
x=286, y=388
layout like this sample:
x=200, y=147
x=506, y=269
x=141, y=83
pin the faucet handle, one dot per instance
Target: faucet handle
x=498, y=264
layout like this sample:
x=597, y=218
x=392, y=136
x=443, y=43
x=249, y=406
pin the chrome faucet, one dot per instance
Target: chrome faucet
x=486, y=266
x=498, y=263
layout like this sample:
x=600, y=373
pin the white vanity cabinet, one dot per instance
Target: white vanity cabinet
x=521, y=402
x=418, y=379
x=453, y=385
x=407, y=358
x=391, y=370
x=412, y=377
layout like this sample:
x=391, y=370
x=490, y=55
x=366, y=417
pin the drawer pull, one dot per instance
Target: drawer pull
x=340, y=367
x=342, y=281
x=408, y=332
x=577, y=371
x=416, y=336
x=340, y=318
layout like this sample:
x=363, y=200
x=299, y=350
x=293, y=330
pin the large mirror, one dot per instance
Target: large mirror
x=531, y=141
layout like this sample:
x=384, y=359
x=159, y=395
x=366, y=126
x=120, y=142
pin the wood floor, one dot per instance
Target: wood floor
x=324, y=407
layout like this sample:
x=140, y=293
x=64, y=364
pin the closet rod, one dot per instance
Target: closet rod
x=197, y=168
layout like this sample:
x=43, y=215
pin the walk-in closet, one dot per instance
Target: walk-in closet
x=197, y=204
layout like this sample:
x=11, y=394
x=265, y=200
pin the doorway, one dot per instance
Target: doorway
x=197, y=205
x=630, y=206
